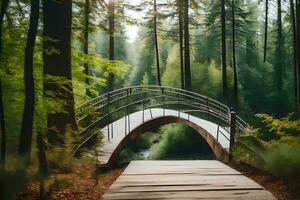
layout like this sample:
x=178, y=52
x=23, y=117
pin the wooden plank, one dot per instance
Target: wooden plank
x=192, y=195
x=223, y=181
x=174, y=167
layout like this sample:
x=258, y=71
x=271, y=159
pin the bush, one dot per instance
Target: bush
x=281, y=155
x=283, y=158
x=179, y=141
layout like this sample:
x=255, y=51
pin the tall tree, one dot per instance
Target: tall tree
x=4, y=6
x=180, y=23
x=278, y=67
x=28, y=114
x=235, y=81
x=266, y=29
x=3, y=129
x=156, y=42
x=86, y=42
x=187, y=62
x=293, y=23
x=298, y=46
x=57, y=64
x=111, y=23
x=224, y=62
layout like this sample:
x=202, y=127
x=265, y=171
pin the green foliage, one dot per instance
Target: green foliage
x=179, y=141
x=283, y=155
x=97, y=65
x=206, y=81
x=128, y=155
x=289, y=125
x=279, y=156
x=283, y=158
x=144, y=141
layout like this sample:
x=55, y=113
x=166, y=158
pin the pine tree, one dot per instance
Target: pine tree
x=156, y=42
x=187, y=62
x=224, y=50
x=266, y=29
x=111, y=31
x=86, y=42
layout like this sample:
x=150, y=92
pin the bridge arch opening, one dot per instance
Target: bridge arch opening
x=219, y=152
x=175, y=141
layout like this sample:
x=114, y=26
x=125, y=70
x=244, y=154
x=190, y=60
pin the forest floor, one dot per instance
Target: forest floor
x=281, y=189
x=83, y=183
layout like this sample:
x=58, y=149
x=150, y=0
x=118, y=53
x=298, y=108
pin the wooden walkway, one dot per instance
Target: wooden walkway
x=184, y=180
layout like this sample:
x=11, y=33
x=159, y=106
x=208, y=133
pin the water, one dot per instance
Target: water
x=144, y=153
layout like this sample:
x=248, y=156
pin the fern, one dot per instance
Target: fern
x=283, y=126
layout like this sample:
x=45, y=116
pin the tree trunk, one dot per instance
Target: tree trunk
x=224, y=72
x=86, y=42
x=156, y=43
x=43, y=164
x=3, y=129
x=278, y=58
x=180, y=21
x=187, y=62
x=298, y=45
x=4, y=6
x=266, y=30
x=235, y=82
x=28, y=114
x=57, y=35
x=293, y=22
x=111, y=21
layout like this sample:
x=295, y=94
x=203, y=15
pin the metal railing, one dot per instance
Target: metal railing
x=105, y=109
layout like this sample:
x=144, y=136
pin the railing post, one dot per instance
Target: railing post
x=126, y=110
x=129, y=122
x=112, y=130
x=218, y=133
x=143, y=111
x=108, y=116
x=162, y=92
x=207, y=109
x=232, y=129
x=129, y=94
x=125, y=124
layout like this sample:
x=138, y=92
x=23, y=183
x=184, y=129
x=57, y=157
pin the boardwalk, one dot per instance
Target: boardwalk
x=118, y=130
x=184, y=180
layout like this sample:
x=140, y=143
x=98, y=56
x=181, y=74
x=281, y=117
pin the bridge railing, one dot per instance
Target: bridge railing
x=105, y=109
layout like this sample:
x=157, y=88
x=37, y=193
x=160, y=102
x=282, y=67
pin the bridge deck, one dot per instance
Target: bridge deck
x=184, y=180
x=119, y=129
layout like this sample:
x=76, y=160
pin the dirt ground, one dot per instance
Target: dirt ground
x=83, y=183
x=282, y=190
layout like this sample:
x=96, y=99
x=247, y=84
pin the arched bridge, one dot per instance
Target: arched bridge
x=123, y=114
